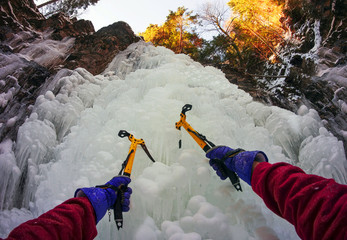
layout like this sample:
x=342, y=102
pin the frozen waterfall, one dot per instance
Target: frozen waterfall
x=70, y=141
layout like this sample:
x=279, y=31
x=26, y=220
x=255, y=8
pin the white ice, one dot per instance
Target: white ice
x=40, y=48
x=71, y=141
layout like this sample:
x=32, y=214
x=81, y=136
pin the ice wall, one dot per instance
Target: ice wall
x=71, y=141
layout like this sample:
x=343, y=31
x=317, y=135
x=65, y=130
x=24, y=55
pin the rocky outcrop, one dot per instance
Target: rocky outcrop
x=330, y=13
x=62, y=26
x=20, y=86
x=313, y=69
x=95, y=51
x=33, y=49
x=15, y=16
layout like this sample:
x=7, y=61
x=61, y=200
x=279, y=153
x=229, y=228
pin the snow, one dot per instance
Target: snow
x=329, y=69
x=71, y=141
x=326, y=162
x=337, y=74
x=317, y=36
x=11, y=122
x=9, y=64
x=35, y=140
x=6, y=97
x=9, y=173
x=40, y=48
x=47, y=52
x=328, y=61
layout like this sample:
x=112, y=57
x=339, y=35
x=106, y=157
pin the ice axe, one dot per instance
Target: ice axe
x=126, y=171
x=206, y=145
x=128, y=163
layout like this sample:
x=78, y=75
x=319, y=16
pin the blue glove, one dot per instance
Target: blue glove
x=104, y=197
x=239, y=161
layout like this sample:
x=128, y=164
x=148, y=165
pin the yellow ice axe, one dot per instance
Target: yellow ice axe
x=126, y=171
x=129, y=161
x=199, y=139
x=206, y=145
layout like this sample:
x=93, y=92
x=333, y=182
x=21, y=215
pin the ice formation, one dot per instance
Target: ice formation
x=71, y=141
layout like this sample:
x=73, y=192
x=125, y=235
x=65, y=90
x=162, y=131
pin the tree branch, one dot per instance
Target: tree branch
x=46, y=3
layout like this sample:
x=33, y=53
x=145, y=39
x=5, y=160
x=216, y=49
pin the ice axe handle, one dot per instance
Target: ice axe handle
x=234, y=179
x=118, y=213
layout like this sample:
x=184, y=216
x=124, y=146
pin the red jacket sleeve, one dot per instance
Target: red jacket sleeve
x=316, y=206
x=73, y=219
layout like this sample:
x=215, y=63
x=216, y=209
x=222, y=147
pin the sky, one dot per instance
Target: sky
x=137, y=13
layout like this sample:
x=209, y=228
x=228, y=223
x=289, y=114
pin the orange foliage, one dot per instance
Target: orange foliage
x=257, y=25
x=175, y=33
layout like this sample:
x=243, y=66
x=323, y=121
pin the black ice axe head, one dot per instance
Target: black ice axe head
x=186, y=108
x=123, y=133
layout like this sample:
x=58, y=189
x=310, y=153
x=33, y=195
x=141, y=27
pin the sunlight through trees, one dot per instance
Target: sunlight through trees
x=177, y=33
x=249, y=32
x=257, y=25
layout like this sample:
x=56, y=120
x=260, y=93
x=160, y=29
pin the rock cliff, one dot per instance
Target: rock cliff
x=33, y=49
x=313, y=65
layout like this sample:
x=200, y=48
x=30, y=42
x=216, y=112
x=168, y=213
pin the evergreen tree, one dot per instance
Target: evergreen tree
x=216, y=52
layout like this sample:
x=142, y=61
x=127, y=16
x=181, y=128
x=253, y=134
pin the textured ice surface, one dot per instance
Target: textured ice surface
x=74, y=144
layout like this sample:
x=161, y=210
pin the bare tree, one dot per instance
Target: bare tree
x=214, y=16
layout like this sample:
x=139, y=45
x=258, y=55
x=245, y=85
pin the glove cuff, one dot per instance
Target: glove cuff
x=242, y=163
x=98, y=197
